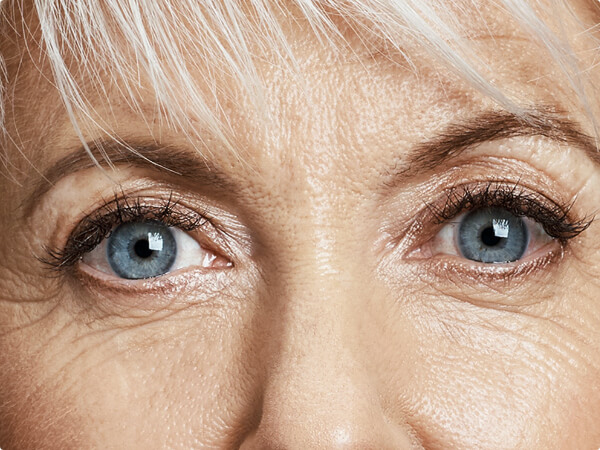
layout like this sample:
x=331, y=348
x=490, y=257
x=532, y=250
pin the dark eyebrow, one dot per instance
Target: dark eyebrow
x=426, y=156
x=493, y=126
x=170, y=159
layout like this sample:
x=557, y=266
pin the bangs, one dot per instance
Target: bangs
x=179, y=50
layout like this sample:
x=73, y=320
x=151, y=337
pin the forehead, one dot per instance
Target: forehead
x=357, y=91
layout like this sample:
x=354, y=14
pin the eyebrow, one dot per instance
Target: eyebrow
x=492, y=126
x=150, y=155
x=455, y=139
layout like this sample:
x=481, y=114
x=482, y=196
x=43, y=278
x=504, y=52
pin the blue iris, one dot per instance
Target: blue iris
x=492, y=235
x=141, y=250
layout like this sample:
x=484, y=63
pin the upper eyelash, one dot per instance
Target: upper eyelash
x=98, y=225
x=554, y=218
x=92, y=229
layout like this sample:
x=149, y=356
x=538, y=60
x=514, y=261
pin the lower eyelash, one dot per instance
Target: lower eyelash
x=554, y=218
x=97, y=226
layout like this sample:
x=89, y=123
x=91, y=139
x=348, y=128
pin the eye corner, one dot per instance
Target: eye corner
x=56, y=261
x=569, y=229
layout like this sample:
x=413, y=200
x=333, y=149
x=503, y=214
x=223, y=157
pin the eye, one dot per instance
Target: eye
x=138, y=250
x=497, y=223
x=490, y=235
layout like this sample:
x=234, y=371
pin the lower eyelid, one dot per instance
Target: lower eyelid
x=120, y=297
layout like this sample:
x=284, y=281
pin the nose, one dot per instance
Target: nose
x=324, y=408
x=318, y=392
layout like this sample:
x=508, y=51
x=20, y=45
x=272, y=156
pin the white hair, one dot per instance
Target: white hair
x=126, y=40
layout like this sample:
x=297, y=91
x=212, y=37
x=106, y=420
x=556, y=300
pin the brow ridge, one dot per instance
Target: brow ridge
x=492, y=126
x=168, y=159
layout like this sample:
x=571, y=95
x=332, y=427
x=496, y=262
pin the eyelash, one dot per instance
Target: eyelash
x=554, y=218
x=97, y=226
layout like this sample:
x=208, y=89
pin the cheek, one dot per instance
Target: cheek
x=185, y=378
x=36, y=408
x=188, y=387
x=499, y=380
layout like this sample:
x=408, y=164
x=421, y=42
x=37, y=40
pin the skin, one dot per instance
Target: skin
x=329, y=320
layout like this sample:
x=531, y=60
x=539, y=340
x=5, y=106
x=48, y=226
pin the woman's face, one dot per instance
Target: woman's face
x=393, y=261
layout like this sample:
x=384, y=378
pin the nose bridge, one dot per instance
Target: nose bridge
x=319, y=390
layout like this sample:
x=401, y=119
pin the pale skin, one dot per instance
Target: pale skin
x=325, y=317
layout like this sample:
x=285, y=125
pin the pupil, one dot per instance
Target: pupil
x=142, y=248
x=489, y=238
